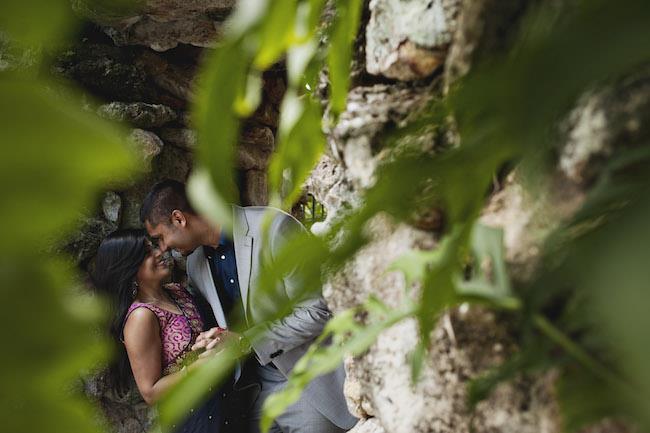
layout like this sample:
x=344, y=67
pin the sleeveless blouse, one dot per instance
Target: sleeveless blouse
x=178, y=332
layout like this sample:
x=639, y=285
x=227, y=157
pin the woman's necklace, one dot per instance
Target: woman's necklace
x=162, y=302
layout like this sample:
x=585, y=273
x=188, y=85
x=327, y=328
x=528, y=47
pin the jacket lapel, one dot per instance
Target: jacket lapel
x=243, y=253
x=210, y=291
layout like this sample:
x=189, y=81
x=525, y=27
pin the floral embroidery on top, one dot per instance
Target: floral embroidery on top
x=178, y=332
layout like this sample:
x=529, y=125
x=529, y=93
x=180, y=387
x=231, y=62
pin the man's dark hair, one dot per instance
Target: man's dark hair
x=165, y=197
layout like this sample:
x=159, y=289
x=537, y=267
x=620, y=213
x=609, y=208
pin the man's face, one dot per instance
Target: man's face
x=175, y=235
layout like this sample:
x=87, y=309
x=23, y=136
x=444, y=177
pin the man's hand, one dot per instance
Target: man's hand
x=212, y=341
x=204, y=338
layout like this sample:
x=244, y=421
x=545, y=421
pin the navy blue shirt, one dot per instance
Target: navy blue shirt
x=224, y=272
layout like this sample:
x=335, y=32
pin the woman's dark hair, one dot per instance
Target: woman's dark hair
x=116, y=265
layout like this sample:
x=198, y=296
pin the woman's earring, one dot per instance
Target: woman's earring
x=134, y=290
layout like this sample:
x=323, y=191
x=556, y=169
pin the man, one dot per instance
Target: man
x=225, y=270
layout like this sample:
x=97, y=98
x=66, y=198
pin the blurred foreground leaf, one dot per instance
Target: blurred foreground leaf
x=298, y=150
x=54, y=158
x=37, y=21
x=192, y=389
x=344, y=32
x=349, y=338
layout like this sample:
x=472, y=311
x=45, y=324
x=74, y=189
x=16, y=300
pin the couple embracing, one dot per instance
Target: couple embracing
x=162, y=327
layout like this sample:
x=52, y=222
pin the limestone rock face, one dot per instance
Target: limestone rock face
x=331, y=187
x=161, y=24
x=138, y=114
x=603, y=120
x=180, y=137
x=112, y=207
x=106, y=71
x=124, y=414
x=82, y=245
x=370, y=425
x=408, y=40
x=369, y=109
x=256, y=190
x=147, y=145
x=482, y=30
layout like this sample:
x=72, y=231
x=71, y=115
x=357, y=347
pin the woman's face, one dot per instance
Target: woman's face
x=154, y=268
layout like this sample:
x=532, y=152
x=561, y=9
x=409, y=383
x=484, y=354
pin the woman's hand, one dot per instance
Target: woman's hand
x=211, y=342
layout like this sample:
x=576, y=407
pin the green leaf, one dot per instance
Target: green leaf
x=206, y=200
x=37, y=373
x=490, y=278
x=51, y=172
x=214, y=115
x=346, y=26
x=251, y=95
x=316, y=8
x=414, y=263
x=36, y=22
x=298, y=57
x=54, y=158
x=275, y=32
x=416, y=358
x=438, y=291
x=299, y=148
x=195, y=387
x=349, y=339
x=585, y=399
x=245, y=18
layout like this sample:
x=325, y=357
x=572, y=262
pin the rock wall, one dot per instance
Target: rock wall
x=148, y=92
x=415, y=59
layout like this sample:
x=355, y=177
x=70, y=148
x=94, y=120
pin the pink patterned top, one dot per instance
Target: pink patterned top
x=178, y=332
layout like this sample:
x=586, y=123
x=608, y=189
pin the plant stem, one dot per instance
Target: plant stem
x=578, y=353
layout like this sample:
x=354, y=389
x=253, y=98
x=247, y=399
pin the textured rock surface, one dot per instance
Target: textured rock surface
x=483, y=30
x=175, y=78
x=355, y=139
x=162, y=24
x=126, y=414
x=256, y=190
x=370, y=425
x=467, y=341
x=112, y=207
x=407, y=40
x=603, y=120
x=106, y=71
x=138, y=114
x=179, y=137
x=82, y=245
x=147, y=145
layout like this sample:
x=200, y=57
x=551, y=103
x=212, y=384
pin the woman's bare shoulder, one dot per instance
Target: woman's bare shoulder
x=141, y=323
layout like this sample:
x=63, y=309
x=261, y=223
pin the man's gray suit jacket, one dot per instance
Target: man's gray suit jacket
x=285, y=341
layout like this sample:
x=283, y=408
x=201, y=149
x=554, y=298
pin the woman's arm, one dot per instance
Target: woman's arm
x=144, y=348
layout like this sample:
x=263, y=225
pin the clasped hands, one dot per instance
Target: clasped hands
x=214, y=340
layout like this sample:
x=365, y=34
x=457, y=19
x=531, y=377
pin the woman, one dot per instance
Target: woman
x=154, y=324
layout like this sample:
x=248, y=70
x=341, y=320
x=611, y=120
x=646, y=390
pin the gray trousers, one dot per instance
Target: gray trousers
x=300, y=417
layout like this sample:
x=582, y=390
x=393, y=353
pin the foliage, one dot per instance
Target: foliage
x=54, y=158
x=349, y=338
x=552, y=62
